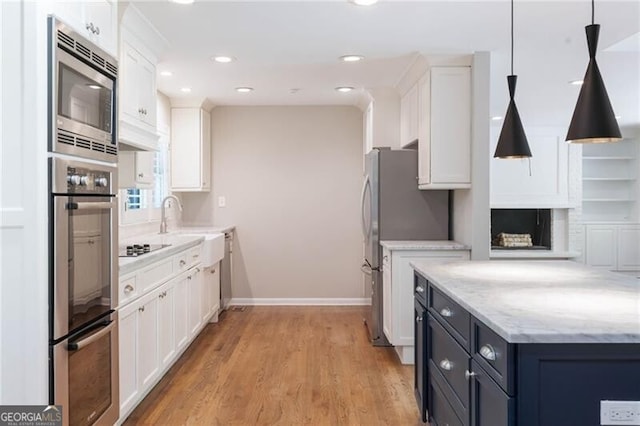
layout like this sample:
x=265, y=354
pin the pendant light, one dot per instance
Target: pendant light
x=512, y=142
x=593, y=119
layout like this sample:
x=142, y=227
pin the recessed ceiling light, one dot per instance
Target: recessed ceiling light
x=166, y=73
x=344, y=89
x=244, y=89
x=94, y=86
x=496, y=117
x=364, y=2
x=351, y=58
x=182, y=1
x=224, y=59
x=186, y=90
x=576, y=82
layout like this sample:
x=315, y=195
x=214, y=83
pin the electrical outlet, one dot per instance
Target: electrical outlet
x=222, y=201
x=620, y=413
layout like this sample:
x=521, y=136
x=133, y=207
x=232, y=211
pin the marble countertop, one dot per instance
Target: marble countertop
x=532, y=254
x=205, y=229
x=538, y=301
x=423, y=245
x=178, y=243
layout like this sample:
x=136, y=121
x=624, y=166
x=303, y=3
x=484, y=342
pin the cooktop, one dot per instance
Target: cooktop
x=135, y=250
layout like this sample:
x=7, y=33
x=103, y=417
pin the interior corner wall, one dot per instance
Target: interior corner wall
x=291, y=178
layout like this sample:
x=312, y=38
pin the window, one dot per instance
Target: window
x=143, y=204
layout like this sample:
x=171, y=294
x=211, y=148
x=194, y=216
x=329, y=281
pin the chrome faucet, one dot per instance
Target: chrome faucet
x=163, y=212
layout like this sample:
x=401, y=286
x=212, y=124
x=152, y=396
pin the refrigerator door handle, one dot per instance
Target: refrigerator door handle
x=365, y=228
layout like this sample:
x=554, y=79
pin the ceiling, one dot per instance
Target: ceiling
x=288, y=51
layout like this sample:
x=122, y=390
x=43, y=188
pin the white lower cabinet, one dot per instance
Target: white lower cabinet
x=157, y=326
x=211, y=293
x=397, y=286
x=614, y=247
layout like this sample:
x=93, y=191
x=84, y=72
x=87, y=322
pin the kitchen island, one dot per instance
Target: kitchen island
x=524, y=342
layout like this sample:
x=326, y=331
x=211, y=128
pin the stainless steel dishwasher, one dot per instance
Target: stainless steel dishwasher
x=226, y=271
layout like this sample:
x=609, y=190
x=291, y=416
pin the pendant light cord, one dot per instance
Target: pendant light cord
x=593, y=11
x=512, y=37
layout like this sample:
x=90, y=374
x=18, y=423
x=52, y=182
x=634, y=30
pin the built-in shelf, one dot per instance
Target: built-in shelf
x=608, y=178
x=610, y=181
x=607, y=158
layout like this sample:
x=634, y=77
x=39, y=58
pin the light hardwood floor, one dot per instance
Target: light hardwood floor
x=284, y=366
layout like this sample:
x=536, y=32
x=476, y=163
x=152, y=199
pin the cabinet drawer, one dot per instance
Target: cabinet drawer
x=450, y=359
x=127, y=289
x=156, y=274
x=493, y=354
x=491, y=406
x=441, y=413
x=420, y=287
x=180, y=262
x=454, y=317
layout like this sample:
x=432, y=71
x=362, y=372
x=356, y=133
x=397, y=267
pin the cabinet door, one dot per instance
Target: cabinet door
x=601, y=246
x=103, y=15
x=166, y=324
x=128, y=351
x=129, y=82
x=421, y=357
x=368, y=128
x=205, y=298
x=194, y=283
x=409, y=117
x=72, y=14
x=148, y=359
x=387, y=298
x=205, y=146
x=215, y=290
x=451, y=125
x=135, y=169
x=490, y=406
x=181, y=317
x=147, y=91
x=185, y=148
x=629, y=248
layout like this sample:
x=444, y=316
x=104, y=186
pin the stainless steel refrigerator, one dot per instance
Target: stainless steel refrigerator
x=393, y=208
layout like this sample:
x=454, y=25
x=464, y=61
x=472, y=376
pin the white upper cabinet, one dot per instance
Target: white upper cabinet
x=135, y=169
x=409, y=116
x=139, y=48
x=539, y=182
x=190, y=150
x=444, y=128
x=96, y=20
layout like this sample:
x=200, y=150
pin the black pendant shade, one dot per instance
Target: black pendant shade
x=512, y=142
x=593, y=118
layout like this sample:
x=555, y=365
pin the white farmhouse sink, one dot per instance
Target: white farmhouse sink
x=212, y=249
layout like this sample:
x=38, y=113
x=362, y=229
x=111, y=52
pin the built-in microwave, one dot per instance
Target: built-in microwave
x=82, y=96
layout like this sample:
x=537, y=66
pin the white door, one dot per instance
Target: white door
x=194, y=284
x=601, y=246
x=148, y=360
x=128, y=350
x=166, y=324
x=129, y=82
x=181, y=318
x=215, y=289
x=629, y=248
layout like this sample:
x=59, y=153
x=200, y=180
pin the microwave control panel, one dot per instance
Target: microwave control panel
x=87, y=181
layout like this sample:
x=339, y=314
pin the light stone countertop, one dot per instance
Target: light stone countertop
x=205, y=229
x=535, y=301
x=178, y=244
x=423, y=245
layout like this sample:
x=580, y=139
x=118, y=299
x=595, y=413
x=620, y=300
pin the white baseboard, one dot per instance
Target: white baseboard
x=267, y=301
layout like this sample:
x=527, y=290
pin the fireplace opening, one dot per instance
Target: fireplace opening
x=521, y=229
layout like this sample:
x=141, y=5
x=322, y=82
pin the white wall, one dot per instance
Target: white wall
x=291, y=177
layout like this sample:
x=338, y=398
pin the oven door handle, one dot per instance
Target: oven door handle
x=90, y=206
x=76, y=346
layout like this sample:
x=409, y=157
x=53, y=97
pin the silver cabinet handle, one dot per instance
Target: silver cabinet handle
x=446, y=312
x=197, y=270
x=195, y=256
x=189, y=277
x=488, y=352
x=160, y=296
x=182, y=263
x=97, y=30
x=140, y=175
x=469, y=374
x=385, y=258
x=447, y=365
x=418, y=318
x=419, y=289
x=141, y=309
x=128, y=289
x=213, y=271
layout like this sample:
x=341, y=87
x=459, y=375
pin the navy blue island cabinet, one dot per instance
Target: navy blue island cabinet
x=466, y=374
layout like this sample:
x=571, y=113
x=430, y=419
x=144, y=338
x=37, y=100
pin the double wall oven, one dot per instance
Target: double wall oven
x=83, y=226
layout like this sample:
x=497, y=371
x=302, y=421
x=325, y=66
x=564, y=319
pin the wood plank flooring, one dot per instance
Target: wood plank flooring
x=284, y=366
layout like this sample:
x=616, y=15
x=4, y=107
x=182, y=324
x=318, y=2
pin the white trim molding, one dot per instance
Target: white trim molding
x=268, y=301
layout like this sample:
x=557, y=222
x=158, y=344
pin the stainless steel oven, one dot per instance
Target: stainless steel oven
x=83, y=290
x=82, y=96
